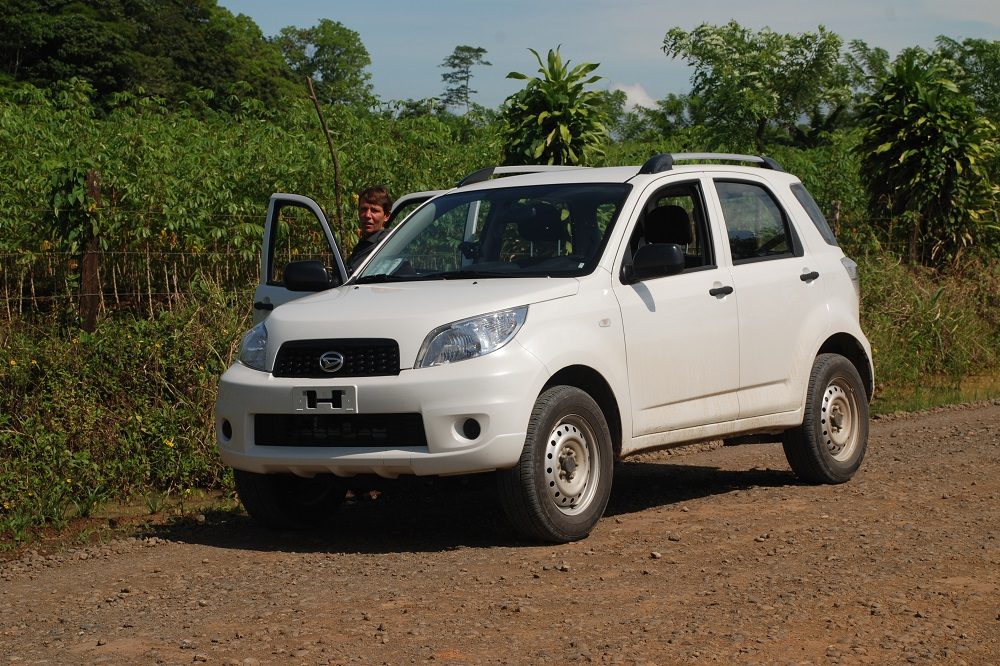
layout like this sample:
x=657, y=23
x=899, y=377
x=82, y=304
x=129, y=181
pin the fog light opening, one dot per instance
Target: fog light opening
x=227, y=429
x=471, y=429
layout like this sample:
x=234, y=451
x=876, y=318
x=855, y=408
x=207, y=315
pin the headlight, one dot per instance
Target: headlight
x=470, y=338
x=253, y=351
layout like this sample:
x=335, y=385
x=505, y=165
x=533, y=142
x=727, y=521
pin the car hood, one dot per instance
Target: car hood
x=404, y=311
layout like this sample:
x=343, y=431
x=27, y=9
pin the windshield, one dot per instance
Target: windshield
x=536, y=231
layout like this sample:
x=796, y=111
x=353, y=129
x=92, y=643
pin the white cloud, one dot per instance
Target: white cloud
x=635, y=95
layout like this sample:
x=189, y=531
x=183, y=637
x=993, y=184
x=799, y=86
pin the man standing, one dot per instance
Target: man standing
x=374, y=206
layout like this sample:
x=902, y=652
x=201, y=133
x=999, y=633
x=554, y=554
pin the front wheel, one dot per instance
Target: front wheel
x=560, y=487
x=286, y=501
x=830, y=444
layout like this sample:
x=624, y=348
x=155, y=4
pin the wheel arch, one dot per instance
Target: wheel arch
x=593, y=383
x=850, y=348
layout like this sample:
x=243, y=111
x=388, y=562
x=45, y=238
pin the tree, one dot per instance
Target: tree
x=925, y=150
x=751, y=83
x=979, y=60
x=553, y=119
x=334, y=57
x=169, y=49
x=866, y=66
x=460, y=63
x=55, y=40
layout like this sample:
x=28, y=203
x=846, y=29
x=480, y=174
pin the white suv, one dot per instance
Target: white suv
x=543, y=326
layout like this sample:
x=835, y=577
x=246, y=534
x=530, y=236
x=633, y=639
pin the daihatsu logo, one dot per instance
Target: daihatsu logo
x=331, y=361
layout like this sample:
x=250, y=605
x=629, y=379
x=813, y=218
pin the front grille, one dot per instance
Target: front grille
x=363, y=357
x=339, y=430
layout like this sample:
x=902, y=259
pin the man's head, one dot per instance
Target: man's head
x=374, y=206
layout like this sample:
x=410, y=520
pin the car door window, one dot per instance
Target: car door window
x=297, y=236
x=756, y=224
x=677, y=215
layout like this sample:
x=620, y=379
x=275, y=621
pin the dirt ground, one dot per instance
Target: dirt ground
x=717, y=555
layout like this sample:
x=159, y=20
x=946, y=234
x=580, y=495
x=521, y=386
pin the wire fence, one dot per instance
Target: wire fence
x=143, y=281
x=137, y=281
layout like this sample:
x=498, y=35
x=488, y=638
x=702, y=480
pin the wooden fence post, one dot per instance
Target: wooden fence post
x=90, y=283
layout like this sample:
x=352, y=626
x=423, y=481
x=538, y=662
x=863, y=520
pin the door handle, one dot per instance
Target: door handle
x=260, y=305
x=809, y=277
x=720, y=291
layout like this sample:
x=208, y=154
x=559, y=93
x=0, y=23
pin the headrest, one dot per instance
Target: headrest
x=668, y=224
x=540, y=222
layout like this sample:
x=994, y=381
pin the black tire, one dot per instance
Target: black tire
x=560, y=487
x=286, y=501
x=831, y=442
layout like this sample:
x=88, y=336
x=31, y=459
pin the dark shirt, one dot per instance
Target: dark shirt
x=363, y=249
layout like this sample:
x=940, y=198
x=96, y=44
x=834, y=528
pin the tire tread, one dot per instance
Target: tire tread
x=521, y=504
x=803, y=449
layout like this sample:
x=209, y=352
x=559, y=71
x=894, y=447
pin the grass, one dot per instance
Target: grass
x=935, y=392
x=935, y=339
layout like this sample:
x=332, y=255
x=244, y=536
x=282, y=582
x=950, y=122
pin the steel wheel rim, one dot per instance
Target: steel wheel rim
x=840, y=420
x=572, y=469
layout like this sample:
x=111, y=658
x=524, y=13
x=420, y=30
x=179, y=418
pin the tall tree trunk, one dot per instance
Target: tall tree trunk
x=338, y=220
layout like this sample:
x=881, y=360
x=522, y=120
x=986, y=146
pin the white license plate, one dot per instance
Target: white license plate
x=325, y=400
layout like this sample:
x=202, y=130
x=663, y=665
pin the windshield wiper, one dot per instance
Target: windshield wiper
x=465, y=274
x=385, y=277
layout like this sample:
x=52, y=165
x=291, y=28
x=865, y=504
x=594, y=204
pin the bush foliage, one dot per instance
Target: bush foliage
x=117, y=413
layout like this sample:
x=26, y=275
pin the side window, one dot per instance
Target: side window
x=297, y=236
x=756, y=224
x=677, y=215
x=815, y=214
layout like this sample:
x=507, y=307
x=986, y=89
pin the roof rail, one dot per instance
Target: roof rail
x=665, y=161
x=484, y=174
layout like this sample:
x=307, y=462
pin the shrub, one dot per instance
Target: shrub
x=123, y=411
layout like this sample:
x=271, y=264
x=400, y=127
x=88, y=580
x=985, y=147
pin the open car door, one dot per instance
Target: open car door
x=299, y=255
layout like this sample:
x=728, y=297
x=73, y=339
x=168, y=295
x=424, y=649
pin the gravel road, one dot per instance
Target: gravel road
x=717, y=555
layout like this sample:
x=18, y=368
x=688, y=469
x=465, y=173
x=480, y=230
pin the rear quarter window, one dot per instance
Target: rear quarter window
x=815, y=214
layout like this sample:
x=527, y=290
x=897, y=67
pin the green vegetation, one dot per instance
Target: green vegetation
x=142, y=141
x=925, y=155
x=333, y=55
x=168, y=49
x=125, y=411
x=554, y=119
x=755, y=86
x=931, y=335
x=458, y=90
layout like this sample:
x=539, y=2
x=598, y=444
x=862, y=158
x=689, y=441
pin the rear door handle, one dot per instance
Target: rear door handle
x=720, y=291
x=809, y=277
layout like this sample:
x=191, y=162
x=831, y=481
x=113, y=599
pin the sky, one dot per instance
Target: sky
x=408, y=40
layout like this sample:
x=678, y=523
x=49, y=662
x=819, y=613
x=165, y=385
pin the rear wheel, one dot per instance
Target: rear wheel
x=286, y=501
x=830, y=444
x=560, y=487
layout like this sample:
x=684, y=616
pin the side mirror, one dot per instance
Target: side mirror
x=308, y=275
x=653, y=261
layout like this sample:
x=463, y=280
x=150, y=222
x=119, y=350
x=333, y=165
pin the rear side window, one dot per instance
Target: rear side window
x=757, y=226
x=815, y=214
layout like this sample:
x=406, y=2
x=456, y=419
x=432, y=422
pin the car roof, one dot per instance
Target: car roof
x=654, y=168
x=622, y=174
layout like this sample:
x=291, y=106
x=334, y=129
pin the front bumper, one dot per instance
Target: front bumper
x=497, y=391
